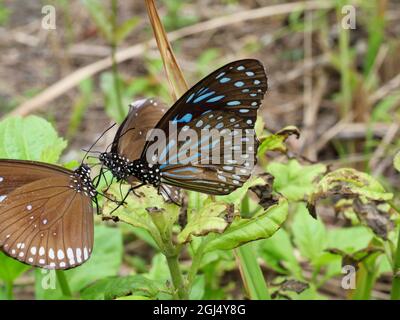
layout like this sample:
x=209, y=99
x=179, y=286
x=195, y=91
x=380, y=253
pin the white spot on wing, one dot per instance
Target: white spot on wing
x=51, y=253
x=60, y=254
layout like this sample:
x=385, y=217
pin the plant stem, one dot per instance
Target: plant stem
x=252, y=276
x=9, y=290
x=395, y=292
x=197, y=257
x=62, y=280
x=176, y=275
x=251, y=273
x=114, y=60
x=345, y=64
x=365, y=281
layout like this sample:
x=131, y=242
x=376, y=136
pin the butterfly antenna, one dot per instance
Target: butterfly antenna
x=97, y=140
x=91, y=151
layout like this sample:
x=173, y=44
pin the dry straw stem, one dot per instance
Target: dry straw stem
x=174, y=73
x=69, y=82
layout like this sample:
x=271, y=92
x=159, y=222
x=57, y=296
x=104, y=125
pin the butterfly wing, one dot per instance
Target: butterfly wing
x=44, y=222
x=227, y=99
x=131, y=135
x=130, y=138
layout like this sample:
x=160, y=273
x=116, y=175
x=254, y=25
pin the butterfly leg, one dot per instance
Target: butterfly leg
x=97, y=179
x=97, y=206
x=126, y=196
x=108, y=184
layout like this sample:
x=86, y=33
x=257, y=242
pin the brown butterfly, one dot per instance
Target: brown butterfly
x=46, y=213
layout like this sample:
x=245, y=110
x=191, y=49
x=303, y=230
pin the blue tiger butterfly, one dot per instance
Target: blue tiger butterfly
x=225, y=103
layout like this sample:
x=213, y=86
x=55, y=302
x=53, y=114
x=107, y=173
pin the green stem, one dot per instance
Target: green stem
x=62, y=281
x=194, y=268
x=250, y=270
x=345, y=63
x=114, y=60
x=176, y=276
x=9, y=290
x=395, y=293
x=365, y=283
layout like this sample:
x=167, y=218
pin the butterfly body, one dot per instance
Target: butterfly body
x=118, y=165
x=145, y=172
x=82, y=182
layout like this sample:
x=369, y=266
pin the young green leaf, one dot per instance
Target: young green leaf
x=211, y=218
x=276, y=142
x=148, y=210
x=245, y=230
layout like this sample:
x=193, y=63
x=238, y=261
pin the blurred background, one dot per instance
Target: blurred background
x=333, y=70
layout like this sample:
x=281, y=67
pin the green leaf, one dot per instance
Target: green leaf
x=148, y=211
x=293, y=180
x=348, y=181
x=278, y=253
x=276, y=142
x=396, y=161
x=30, y=138
x=349, y=240
x=198, y=288
x=209, y=219
x=159, y=269
x=237, y=196
x=125, y=28
x=309, y=234
x=116, y=287
x=105, y=261
x=245, y=230
x=11, y=269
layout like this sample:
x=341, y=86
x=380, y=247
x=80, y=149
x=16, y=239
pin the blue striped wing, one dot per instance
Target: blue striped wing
x=226, y=100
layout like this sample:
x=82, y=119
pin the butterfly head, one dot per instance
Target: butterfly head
x=118, y=165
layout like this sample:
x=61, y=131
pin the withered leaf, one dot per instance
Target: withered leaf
x=369, y=214
x=264, y=192
x=290, y=285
